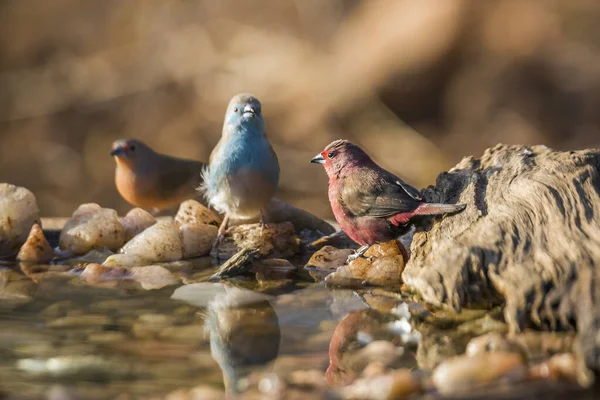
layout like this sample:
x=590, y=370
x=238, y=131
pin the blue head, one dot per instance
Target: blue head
x=244, y=115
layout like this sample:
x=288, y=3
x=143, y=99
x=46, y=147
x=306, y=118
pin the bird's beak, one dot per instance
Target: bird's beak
x=117, y=151
x=248, y=109
x=318, y=159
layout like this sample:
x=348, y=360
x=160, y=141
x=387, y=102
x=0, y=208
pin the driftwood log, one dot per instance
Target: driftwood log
x=529, y=239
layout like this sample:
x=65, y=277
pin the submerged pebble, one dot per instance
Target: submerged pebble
x=326, y=260
x=91, y=227
x=463, y=373
x=126, y=260
x=18, y=212
x=153, y=277
x=36, y=248
x=84, y=367
x=396, y=385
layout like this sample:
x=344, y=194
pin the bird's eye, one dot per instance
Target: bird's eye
x=331, y=154
x=132, y=147
x=235, y=109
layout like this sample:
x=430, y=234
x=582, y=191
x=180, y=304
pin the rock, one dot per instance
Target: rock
x=15, y=289
x=237, y=264
x=160, y=242
x=81, y=367
x=396, y=385
x=462, y=374
x=197, y=239
x=273, y=269
x=78, y=321
x=563, y=367
x=277, y=240
x=384, y=270
x=136, y=221
x=529, y=238
x=95, y=271
x=153, y=277
x=36, y=248
x=194, y=213
x=18, y=212
x=325, y=261
x=126, y=260
x=198, y=393
x=92, y=227
x=93, y=256
x=338, y=239
x=494, y=342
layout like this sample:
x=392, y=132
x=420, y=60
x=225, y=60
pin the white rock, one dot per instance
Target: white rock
x=125, y=260
x=192, y=212
x=36, y=248
x=197, y=239
x=153, y=276
x=90, y=227
x=136, y=221
x=160, y=242
x=18, y=212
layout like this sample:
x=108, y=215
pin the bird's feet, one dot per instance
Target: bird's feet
x=223, y=230
x=360, y=253
x=263, y=223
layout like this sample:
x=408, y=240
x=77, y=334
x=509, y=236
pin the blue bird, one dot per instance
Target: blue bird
x=243, y=171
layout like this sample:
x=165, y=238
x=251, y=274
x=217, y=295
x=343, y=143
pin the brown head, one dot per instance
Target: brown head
x=131, y=152
x=340, y=156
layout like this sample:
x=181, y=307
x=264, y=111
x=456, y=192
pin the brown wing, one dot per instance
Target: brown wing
x=177, y=173
x=377, y=194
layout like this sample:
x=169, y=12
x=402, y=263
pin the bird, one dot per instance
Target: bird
x=153, y=181
x=243, y=171
x=370, y=204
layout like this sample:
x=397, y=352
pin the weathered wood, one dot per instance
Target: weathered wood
x=529, y=238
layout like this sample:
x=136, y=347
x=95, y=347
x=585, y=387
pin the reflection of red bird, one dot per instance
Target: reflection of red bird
x=371, y=204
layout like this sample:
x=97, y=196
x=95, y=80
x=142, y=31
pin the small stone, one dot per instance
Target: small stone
x=153, y=277
x=93, y=256
x=273, y=269
x=82, y=367
x=160, y=242
x=80, y=321
x=277, y=240
x=493, y=342
x=197, y=239
x=396, y=385
x=136, y=221
x=92, y=227
x=98, y=271
x=36, y=248
x=463, y=373
x=198, y=393
x=563, y=367
x=126, y=260
x=384, y=270
x=193, y=213
x=18, y=213
x=326, y=260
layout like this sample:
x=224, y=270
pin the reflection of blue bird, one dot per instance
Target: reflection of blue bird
x=243, y=173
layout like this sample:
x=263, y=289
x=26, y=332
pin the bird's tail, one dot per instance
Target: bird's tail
x=438, y=208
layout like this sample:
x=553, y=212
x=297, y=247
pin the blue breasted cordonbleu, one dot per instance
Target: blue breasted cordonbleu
x=243, y=171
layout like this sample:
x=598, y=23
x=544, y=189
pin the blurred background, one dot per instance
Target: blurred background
x=418, y=84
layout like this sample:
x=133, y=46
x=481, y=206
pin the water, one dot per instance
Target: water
x=113, y=337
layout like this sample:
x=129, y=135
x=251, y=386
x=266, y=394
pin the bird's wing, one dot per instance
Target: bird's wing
x=377, y=194
x=176, y=173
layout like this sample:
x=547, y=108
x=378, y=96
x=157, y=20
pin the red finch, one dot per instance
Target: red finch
x=371, y=204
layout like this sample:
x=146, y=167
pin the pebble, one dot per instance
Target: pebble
x=493, y=342
x=396, y=385
x=80, y=321
x=91, y=227
x=191, y=212
x=462, y=373
x=83, y=367
x=95, y=271
x=136, y=221
x=273, y=269
x=563, y=367
x=36, y=248
x=125, y=260
x=18, y=213
x=153, y=277
x=160, y=242
x=197, y=239
x=384, y=270
x=325, y=261
x=198, y=393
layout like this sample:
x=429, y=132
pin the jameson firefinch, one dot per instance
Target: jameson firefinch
x=371, y=204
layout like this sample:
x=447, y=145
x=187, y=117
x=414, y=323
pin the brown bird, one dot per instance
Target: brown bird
x=151, y=180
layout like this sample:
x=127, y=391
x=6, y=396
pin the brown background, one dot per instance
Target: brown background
x=418, y=84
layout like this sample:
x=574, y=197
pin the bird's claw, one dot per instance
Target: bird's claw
x=354, y=256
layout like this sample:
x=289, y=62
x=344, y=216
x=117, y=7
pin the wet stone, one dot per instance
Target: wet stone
x=80, y=321
x=85, y=367
x=126, y=260
x=193, y=213
x=153, y=277
x=494, y=342
x=136, y=221
x=36, y=248
x=197, y=239
x=396, y=385
x=325, y=261
x=18, y=213
x=384, y=269
x=160, y=242
x=276, y=240
x=91, y=227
